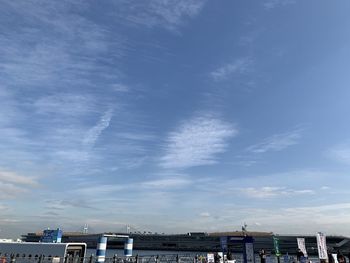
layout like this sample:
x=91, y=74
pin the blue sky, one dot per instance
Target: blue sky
x=175, y=116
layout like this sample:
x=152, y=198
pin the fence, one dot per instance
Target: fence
x=165, y=258
x=172, y=258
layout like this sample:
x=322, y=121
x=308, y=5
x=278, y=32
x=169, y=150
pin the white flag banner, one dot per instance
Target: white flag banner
x=210, y=258
x=221, y=257
x=301, y=245
x=335, y=258
x=321, y=245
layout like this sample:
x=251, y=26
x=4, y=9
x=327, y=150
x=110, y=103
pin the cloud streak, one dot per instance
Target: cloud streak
x=167, y=183
x=13, y=184
x=14, y=178
x=94, y=133
x=277, y=142
x=197, y=142
x=340, y=153
x=273, y=192
x=237, y=67
x=168, y=14
x=65, y=105
x=271, y=4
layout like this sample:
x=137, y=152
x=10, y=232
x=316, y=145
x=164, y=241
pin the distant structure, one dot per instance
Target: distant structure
x=51, y=236
x=86, y=229
x=200, y=241
x=9, y=240
x=244, y=229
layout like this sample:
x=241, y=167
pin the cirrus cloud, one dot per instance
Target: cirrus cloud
x=340, y=153
x=197, y=142
x=276, y=142
x=273, y=191
x=238, y=66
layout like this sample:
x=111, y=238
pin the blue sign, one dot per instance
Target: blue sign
x=223, y=243
x=248, y=250
x=246, y=241
x=52, y=236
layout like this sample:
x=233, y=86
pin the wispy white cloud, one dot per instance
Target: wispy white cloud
x=135, y=136
x=57, y=205
x=277, y=142
x=197, y=142
x=14, y=178
x=263, y=192
x=73, y=155
x=173, y=12
x=169, y=14
x=148, y=186
x=167, y=183
x=273, y=191
x=65, y=104
x=271, y=4
x=120, y=87
x=8, y=221
x=239, y=66
x=340, y=153
x=93, y=134
x=204, y=214
x=9, y=191
x=102, y=189
x=3, y=207
x=13, y=184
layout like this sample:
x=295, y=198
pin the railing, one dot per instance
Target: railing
x=172, y=258
x=164, y=258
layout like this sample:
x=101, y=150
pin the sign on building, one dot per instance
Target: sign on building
x=52, y=236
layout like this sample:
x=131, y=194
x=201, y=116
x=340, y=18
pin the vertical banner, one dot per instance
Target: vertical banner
x=128, y=247
x=223, y=243
x=321, y=246
x=101, y=249
x=221, y=256
x=248, y=250
x=301, y=245
x=210, y=258
x=276, y=246
x=335, y=258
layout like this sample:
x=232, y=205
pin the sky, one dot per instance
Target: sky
x=175, y=116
